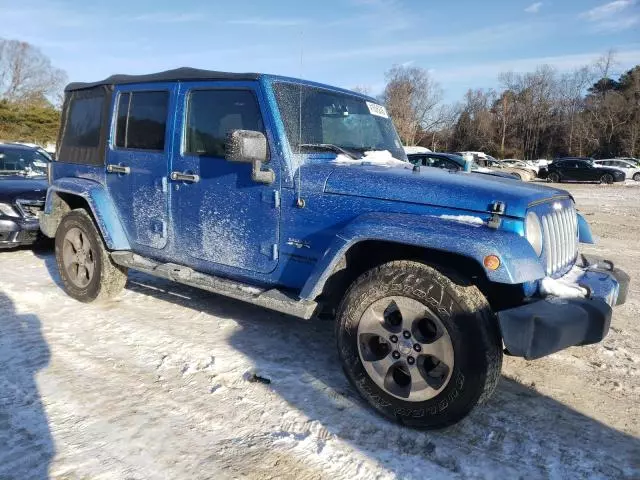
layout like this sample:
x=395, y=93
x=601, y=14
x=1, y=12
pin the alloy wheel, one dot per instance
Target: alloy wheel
x=405, y=348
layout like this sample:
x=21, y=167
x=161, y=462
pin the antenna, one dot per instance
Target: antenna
x=300, y=201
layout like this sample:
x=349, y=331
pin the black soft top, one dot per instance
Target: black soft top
x=177, y=74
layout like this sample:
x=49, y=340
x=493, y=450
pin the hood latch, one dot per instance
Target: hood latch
x=497, y=209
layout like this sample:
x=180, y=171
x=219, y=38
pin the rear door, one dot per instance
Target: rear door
x=138, y=159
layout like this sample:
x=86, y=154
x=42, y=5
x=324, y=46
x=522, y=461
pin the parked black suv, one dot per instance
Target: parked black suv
x=581, y=170
x=23, y=188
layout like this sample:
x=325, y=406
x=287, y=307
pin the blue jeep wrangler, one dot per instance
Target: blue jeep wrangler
x=298, y=197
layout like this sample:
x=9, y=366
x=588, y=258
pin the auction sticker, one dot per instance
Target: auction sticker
x=377, y=110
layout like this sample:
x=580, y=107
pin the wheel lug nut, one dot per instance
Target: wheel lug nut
x=417, y=347
x=411, y=360
x=406, y=334
x=394, y=339
x=396, y=355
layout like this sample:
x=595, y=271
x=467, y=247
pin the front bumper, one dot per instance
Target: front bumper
x=547, y=325
x=14, y=233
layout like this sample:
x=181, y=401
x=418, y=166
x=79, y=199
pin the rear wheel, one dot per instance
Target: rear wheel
x=422, y=348
x=606, y=178
x=553, y=177
x=86, y=269
x=636, y=177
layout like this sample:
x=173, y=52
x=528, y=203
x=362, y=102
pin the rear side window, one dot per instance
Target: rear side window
x=214, y=113
x=83, y=122
x=83, y=126
x=142, y=120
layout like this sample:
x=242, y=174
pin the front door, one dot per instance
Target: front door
x=137, y=161
x=220, y=215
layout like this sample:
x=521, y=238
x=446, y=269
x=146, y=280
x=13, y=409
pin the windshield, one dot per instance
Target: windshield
x=24, y=162
x=333, y=121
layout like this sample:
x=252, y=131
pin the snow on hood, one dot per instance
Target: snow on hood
x=381, y=158
x=468, y=219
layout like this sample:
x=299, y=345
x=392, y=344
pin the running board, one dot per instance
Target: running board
x=272, y=299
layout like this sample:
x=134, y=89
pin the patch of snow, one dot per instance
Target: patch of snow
x=414, y=149
x=471, y=220
x=564, y=287
x=381, y=158
x=483, y=170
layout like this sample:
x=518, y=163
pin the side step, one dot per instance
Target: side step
x=272, y=299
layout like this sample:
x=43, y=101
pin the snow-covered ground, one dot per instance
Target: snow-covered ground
x=171, y=382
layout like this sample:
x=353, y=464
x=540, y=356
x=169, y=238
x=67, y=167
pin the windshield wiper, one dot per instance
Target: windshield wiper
x=330, y=147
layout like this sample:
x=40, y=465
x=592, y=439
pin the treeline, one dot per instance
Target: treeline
x=30, y=94
x=541, y=114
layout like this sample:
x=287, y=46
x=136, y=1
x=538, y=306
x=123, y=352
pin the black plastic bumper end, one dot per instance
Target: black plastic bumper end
x=547, y=326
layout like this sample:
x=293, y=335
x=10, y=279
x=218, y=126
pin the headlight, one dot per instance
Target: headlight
x=8, y=210
x=533, y=232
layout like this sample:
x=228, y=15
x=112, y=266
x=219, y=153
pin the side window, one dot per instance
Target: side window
x=142, y=120
x=82, y=128
x=213, y=113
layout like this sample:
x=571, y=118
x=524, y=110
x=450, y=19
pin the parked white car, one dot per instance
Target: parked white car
x=630, y=170
x=526, y=164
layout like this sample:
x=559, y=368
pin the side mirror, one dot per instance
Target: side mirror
x=247, y=146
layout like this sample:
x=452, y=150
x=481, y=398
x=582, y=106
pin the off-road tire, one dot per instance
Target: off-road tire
x=636, y=177
x=469, y=321
x=607, y=179
x=553, y=177
x=108, y=278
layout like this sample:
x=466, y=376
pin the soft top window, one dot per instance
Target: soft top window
x=83, y=128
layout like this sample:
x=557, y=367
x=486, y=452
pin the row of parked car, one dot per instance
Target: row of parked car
x=569, y=169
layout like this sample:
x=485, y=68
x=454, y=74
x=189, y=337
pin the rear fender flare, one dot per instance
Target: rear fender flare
x=100, y=204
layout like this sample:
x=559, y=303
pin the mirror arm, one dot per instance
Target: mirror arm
x=262, y=176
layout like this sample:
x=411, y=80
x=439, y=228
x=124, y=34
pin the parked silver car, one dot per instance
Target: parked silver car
x=630, y=170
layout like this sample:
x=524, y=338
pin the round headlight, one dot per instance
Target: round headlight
x=533, y=232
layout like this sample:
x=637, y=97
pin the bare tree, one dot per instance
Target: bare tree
x=412, y=98
x=26, y=74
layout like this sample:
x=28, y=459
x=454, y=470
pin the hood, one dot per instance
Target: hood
x=437, y=187
x=12, y=188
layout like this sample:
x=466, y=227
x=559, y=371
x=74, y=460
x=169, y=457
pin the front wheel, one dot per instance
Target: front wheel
x=607, y=178
x=420, y=346
x=86, y=269
x=636, y=177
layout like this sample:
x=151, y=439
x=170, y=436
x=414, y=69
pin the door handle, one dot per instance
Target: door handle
x=185, y=177
x=118, y=169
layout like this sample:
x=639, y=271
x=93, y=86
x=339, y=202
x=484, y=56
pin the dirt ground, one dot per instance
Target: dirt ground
x=161, y=383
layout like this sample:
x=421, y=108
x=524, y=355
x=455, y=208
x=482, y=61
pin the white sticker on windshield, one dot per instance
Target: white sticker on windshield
x=377, y=110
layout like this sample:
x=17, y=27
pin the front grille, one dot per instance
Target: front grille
x=30, y=208
x=560, y=228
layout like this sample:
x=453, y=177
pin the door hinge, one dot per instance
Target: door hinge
x=274, y=252
x=276, y=198
x=164, y=229
x=165, y=185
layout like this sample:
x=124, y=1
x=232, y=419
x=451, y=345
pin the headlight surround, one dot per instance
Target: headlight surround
x=533, y=232
x=8, y=210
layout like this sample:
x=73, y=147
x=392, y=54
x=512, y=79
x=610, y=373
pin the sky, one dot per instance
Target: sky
x=463, y=43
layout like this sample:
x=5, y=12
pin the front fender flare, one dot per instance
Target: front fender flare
x=100, y=203
x=518, y=261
